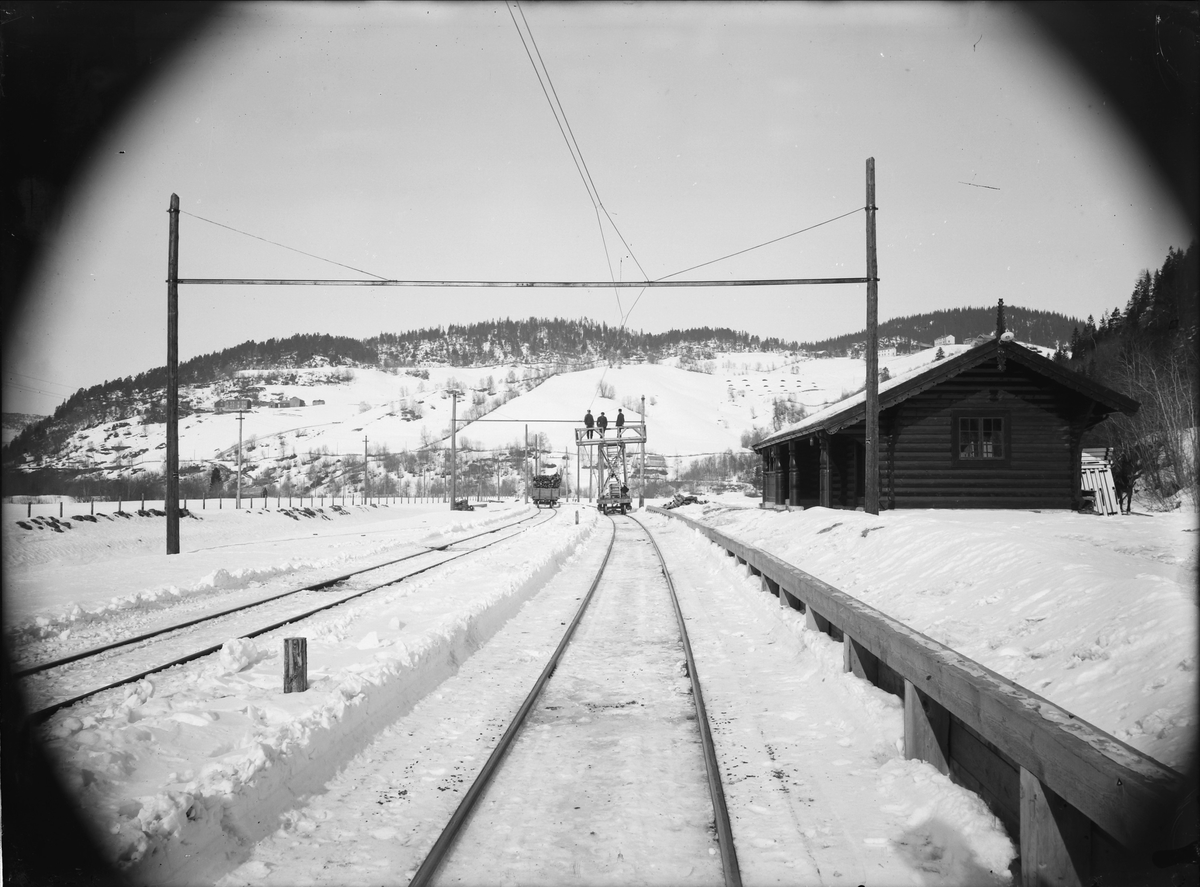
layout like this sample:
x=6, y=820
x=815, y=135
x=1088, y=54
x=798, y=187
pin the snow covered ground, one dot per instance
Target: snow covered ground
x=202, y=762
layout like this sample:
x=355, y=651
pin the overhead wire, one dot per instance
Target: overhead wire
x=576, y=143
x=564, y=126
x=21, y=387
x=760, y=245
x=284, y=246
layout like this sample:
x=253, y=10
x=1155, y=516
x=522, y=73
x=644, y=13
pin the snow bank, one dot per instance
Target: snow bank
x=188, y=768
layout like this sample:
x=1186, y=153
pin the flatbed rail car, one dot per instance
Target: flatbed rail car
x=614, y=500
x=547, y=488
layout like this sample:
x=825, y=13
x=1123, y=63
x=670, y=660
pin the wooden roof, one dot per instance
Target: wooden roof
x=853, y=410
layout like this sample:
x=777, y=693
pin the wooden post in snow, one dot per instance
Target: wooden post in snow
x=871, y=468
x=825, y=494
x=172, y=467
x=642, y=465
x=926, y=729
x=1056, y=839
x=295, y=665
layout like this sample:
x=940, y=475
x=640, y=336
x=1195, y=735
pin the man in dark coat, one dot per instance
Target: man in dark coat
x=620, y=421
x=588, y=422
x=602, y=423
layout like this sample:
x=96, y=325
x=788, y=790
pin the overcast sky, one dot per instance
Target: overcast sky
x=414, y=141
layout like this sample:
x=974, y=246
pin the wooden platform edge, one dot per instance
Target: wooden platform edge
x=1128, y=795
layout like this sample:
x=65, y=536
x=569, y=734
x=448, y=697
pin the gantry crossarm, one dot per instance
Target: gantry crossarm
x=631, y=433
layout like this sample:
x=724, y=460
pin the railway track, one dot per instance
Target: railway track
x=620, y=698
x=57, y=683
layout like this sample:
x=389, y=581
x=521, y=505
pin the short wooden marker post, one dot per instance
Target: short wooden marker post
x=295, y=665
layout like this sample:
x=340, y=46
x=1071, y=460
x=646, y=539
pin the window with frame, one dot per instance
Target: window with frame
x=981, y=437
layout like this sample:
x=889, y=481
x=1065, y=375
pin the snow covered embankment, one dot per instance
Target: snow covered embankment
x=1097, y=614
x=195, y=765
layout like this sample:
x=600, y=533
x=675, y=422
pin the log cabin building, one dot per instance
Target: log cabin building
x=997, y=426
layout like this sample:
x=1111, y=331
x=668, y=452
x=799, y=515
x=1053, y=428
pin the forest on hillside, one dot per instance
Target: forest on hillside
x=1149, y=351
x=542, y=339
x=918, y=331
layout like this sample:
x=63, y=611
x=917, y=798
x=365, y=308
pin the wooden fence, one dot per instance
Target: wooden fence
x=1085, y=807
x=250, y=501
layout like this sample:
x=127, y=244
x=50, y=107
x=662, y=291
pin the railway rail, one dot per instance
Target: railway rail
x=626, y=596
x=87, y=672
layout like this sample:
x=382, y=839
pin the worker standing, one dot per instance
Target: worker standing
x=588, y=422
x=602, y=423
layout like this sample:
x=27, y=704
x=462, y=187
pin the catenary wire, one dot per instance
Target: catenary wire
x=283, y=246
x=576, y=152
x=765, y=243
x=568, y=124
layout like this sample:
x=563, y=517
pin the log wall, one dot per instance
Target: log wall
x=919, y=463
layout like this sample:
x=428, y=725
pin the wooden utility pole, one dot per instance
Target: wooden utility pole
x=239, y=475
x=366, y=478
x=172, y=472
x=871, y=469
x=642, y=466
x=453, y=447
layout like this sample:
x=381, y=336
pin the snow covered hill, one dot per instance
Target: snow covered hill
x=308, y=429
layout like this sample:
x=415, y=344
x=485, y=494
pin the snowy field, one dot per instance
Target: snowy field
x=212, y=761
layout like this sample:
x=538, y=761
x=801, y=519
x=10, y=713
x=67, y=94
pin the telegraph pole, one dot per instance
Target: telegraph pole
x=871, y=468
x=172, y=492
x=453, y=447
x=239, y=471
x=366, y=479
x=642, y=467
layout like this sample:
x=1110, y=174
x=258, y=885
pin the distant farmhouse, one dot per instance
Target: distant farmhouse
x=997, y=426
x=284, y=402
x=944, y=340
x=233, y=404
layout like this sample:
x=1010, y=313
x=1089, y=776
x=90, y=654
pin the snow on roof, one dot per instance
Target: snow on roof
x=821, y=418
